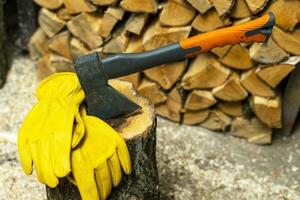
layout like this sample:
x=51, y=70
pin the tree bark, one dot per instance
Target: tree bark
x=142, y=183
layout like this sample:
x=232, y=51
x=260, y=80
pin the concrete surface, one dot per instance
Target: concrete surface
x=193, y=163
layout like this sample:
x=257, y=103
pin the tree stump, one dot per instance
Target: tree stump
x=139, y=131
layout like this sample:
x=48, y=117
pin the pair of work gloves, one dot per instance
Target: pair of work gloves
x=61, y=140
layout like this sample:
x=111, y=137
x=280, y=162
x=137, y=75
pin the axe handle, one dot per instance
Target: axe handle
x=258, y=30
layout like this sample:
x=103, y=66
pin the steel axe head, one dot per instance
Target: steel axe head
x=102, y=100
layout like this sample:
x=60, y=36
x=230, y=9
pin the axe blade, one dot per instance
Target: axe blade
x=102, y=100
x=108, y=103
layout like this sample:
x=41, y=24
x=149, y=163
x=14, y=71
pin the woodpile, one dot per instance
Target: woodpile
x=235, y=88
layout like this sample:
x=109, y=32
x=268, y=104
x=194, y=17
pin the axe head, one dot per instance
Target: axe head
x=102, y=100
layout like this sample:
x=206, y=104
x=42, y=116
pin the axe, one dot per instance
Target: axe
x=105, y=102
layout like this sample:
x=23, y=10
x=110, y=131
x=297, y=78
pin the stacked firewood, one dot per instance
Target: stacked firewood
x=232, y=88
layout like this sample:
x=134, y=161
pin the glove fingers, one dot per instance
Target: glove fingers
x=115, y=169
x=25, y=157
x=86, y=184
x=103, y=180
x=123, y=155
x=36, y=161
x=47, y=163
x=78, y=132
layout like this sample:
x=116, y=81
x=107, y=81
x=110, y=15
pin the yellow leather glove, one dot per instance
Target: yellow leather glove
x=97, y=160
x=45, y=137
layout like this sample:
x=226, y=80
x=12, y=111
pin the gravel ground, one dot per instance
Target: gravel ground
x=193, y=163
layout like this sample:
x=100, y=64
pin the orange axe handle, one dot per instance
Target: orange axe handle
x=257, y=30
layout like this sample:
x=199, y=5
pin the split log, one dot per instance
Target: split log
x=290, y=42
x=52, y=63
x=204, y=72
x=60, y=44
x=234, y=109
x=166, y=75
x=78, y=6
x=94, y=20
x=238, y=58
x=273, y=75
x=231, y=90
x=117, y=44
x=223, y=6
x=195, y=117
x=255, y=85
x=286, y=13
x=217, y=121
x=171, y=109
x=199, y=100
x=251, y=129
x=104, y=2
x=63, y=14
x=170, y=16
x=201, y=5
x=49, y=22
x=157, y=36
x=256, y=5
x=139, y=132
x=152, y=91
x=268, y=110
x=49, y=4
x=240, y=10
x=209, y=21
x=221, y=51
x=37, y=45
x=80, y=28
x=111, y=17
x=147, y=6
x=268, y=53
x=78, y=48
x=135, y=44
x=136, y=23
x=135, y=79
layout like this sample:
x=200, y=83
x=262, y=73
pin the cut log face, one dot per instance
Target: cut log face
x=217, y=121
x=268, y=53
x=44, y=68
x=221, y=51
x=223, y=6
x=49, y=4
x=63, y=14
x=135, y=45
x=290, y=42
x=166, y=75
x=151, y=90
x=49, y=22
x=78, y=48
x=80, y=27
x=199, y=99
x=135, y=79
x=117, y=44
x=273, y=75
x=138, y=131
x=204, y=72
x=169, y=15
x=104, y=2
x=256, y=5
x=37, y=45
x=251, y=129
x=209, y=21
x=286, y=13
x=231, y=90
x=157, y=35
x=234, y=109
x=60, y=44
x=107, y=25
x=240, y=10
x=201, y=5
x=238, y=58
x=147, y=6
x=136, y=23
x=255, y=85
x=78, y=6
x=195, y=117
x=268, y=110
